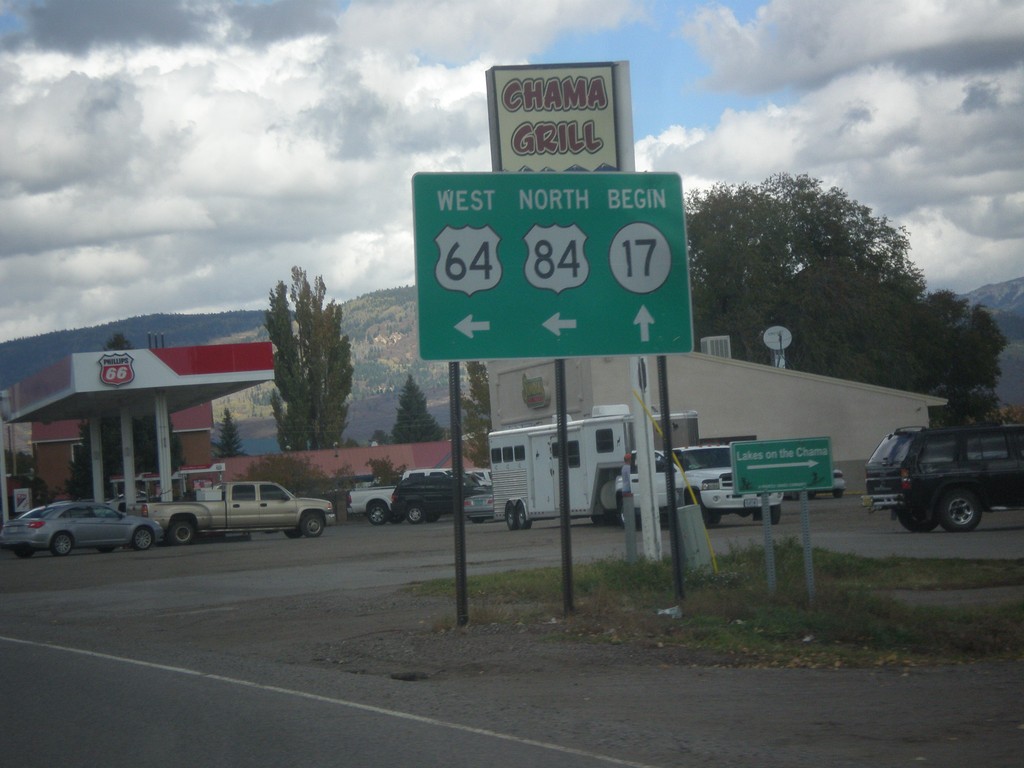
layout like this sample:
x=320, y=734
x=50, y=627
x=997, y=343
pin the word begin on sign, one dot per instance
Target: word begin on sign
x=569, y=199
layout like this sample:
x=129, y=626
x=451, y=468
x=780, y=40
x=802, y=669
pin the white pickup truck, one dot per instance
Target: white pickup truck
x=241, y=507
x=709, y=474
x=374, y=501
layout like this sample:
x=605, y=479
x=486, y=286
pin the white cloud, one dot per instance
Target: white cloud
x=186, y=160
x=803, y=42
x=933, y=144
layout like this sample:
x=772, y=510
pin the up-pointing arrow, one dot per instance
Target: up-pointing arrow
x=468, y=326
x=556, y=324
x=644, y=320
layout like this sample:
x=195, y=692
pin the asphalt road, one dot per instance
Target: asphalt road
x=199, y=656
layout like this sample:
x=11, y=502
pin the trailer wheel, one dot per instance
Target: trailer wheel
x=522, y=521
x=511, y=518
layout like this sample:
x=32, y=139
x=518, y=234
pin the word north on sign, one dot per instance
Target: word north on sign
x=528, y=265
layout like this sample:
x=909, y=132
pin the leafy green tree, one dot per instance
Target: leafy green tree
x=384, y=471
x=312, y=364
x=476, y=415
x=788, y=252
x=296, y=473
x=414, y=424
x=229, y=441
x=959, y=347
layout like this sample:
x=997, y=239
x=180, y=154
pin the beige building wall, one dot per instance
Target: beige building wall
x=733, y=399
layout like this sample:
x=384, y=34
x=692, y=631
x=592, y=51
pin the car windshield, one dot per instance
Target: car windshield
x=34, y=513
x=704, y=458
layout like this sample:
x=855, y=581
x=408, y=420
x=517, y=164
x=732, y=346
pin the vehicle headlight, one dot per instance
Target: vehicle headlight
x=709, y=485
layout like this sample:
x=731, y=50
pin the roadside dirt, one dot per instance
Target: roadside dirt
x=635, y=703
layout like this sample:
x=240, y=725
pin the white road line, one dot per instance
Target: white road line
x=338, y=702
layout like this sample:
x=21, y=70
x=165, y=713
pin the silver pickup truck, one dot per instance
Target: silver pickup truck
x=240, y=507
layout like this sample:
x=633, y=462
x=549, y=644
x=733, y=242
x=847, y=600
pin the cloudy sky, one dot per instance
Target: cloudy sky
x=183, y=155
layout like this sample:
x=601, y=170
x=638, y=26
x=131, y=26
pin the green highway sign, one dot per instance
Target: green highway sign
x=523, y=265
x=769, y=466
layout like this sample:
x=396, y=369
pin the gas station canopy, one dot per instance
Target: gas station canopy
x=98, y=384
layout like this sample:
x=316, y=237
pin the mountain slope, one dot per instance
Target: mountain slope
x=1006, y=297
x=380, y=325
x=1006, y=302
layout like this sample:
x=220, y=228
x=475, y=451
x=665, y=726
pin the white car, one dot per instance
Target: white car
x=838, y=486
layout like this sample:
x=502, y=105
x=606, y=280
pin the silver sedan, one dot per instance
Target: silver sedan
x=67, y=525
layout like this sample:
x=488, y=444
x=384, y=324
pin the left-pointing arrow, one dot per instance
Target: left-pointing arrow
x=469, y=326
x=556, y=324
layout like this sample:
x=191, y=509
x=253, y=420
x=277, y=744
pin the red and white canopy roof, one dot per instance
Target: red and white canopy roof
x=97, y=384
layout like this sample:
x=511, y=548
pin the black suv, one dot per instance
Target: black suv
x=947, y=476
x=428, y=497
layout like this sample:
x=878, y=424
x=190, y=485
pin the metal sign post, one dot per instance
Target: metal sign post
x=766, y=466
x=455, y=412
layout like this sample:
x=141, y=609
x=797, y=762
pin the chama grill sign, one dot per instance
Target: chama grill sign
x=116, y=370
x=556, y=117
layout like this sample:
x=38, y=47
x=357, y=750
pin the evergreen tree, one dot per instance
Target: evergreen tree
x=413, y=423
x=229, y=442
x=476, y=415
x=312, y=364
x=117, y=341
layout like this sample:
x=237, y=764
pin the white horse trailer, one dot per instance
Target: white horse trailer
x=524, y=468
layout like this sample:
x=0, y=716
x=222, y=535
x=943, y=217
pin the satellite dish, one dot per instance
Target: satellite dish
x=777, y=338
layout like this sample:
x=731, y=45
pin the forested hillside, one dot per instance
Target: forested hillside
x=383, y=332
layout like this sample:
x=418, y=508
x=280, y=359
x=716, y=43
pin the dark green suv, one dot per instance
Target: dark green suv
x=947, y=476
x=420, y=498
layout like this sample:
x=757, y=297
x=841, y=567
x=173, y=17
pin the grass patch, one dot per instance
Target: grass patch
x=730, y=615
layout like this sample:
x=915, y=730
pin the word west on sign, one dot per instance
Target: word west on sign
x=550, y=265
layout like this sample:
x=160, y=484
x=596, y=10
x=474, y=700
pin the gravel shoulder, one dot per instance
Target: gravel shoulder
x=642, y=705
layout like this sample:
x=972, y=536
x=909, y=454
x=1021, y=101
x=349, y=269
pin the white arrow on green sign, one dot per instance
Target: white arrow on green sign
x=524, y=265
x=770, y=466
